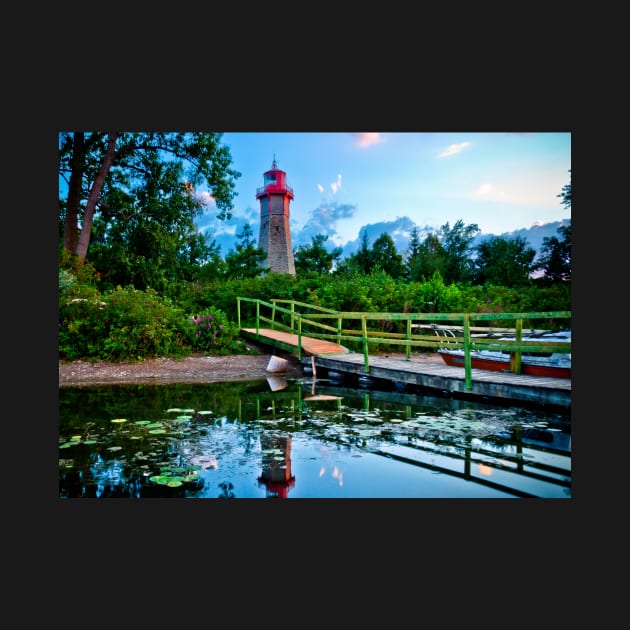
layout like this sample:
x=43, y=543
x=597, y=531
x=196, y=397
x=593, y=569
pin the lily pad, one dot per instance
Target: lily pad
x=119, y=420
x=161, y=479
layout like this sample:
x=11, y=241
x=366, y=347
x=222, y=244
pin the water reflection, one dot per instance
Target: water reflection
x=276, y=465
x=304, y=438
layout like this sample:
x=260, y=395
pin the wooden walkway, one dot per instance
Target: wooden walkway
x=289, y=342
x=422, y=372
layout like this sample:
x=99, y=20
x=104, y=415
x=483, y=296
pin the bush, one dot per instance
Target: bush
x=126, y=324
x=210, y=331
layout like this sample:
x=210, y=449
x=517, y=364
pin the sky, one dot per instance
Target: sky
x=343, y=181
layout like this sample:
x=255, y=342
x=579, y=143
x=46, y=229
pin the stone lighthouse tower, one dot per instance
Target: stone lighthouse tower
x=275, y=237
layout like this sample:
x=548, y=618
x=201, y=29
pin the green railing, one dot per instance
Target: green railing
x=414, y=330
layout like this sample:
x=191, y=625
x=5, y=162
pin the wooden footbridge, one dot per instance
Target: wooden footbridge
x=320, y=346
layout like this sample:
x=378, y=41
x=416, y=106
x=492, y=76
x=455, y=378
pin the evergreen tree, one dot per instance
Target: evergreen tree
x=413, y=251
x=505, y=262
x=385, y=256
x=555, y=255
x=315, y=257
x=245, y=261
x=565, y=194
x=429, y=259
x=456, y=242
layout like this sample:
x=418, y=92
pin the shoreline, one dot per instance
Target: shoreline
x=194, y=369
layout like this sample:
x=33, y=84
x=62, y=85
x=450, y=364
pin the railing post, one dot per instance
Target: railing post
x=339, y=330
x=238, y=311
x=299, y=352
x=257, y=319
x=292, y=315
x=366, y=355
x=515, y=357
x=408, y=351
x=467, y=359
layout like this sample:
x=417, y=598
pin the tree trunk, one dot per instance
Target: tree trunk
x=71, y=224
x=86, y=227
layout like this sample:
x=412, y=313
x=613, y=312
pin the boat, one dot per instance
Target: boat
x=551, y=364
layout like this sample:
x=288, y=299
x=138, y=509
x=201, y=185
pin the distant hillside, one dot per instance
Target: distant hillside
x=533, y=235
x=399, y=229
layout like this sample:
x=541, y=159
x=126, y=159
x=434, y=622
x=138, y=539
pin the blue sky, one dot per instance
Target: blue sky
x=343, y=181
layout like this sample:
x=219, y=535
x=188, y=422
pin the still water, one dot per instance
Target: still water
x=304, y=438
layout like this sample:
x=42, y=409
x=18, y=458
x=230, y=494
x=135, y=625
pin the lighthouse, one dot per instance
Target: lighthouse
x=275, y=236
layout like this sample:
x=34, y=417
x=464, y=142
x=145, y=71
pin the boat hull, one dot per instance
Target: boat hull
x=498, y=365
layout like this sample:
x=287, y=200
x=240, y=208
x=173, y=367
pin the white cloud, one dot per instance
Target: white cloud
x=335, y=186
x=367, y=139
x=488, y=191
x=453, y=149
x=528, y=190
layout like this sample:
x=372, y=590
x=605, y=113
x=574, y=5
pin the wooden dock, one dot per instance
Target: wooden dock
x=418, y=371
x=289, y=342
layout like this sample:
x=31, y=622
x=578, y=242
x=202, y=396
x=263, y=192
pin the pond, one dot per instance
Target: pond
x=305, y=438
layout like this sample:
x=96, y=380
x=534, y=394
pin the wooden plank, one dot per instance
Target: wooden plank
x=310, y=345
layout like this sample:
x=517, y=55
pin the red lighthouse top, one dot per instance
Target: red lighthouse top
x=275, y=183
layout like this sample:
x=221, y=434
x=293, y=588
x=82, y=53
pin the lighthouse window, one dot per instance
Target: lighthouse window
x=271, y=179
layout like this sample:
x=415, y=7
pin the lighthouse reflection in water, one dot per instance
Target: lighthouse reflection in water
x=304, y=438
x=276, y=465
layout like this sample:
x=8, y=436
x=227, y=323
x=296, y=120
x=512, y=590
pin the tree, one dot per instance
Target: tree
x=104, y=169
x=358, y=263
x=363, y=256
x=505, y=262
x=565, y=194
x=555, y=255
x=315, y=257
x=382, y=255
x=429, y=258
x=459, y=266
x=151, y=240
x=413, y=251
x=213, y=266
x=245, y=261
x=385, y=256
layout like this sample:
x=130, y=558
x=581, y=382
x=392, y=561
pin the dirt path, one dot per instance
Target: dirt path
x=194, y=369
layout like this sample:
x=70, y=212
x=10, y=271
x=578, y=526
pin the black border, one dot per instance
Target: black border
x=432, y=534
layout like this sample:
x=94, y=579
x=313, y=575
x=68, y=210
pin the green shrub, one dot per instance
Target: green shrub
x=79, y=334
x=210, y=331
x=126, y=324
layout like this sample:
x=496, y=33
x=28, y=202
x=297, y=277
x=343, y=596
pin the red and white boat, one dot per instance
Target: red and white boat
x=553, y=364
